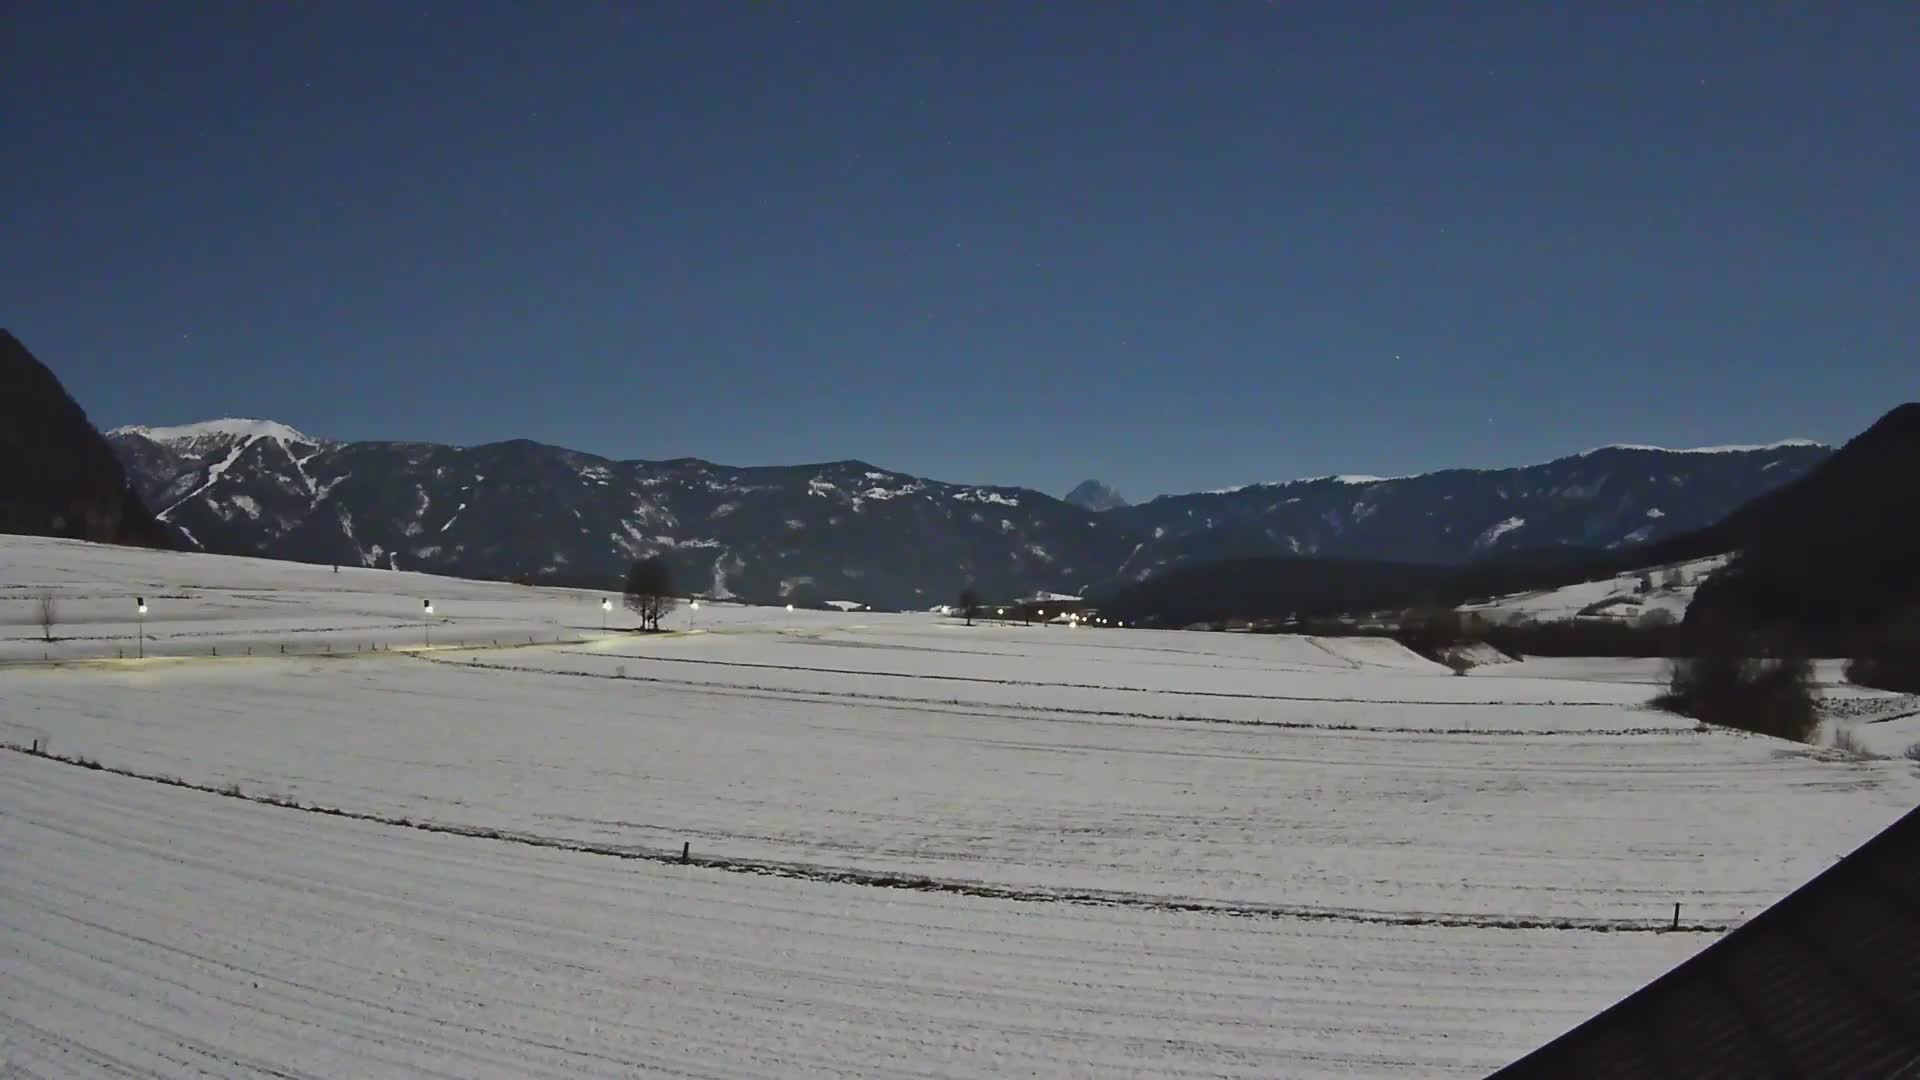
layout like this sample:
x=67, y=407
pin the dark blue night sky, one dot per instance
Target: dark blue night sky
x=1172, y=245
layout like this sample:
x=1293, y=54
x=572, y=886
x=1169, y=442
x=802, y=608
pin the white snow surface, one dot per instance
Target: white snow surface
x=1310, y=857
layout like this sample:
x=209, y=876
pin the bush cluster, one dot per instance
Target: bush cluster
x=1890, y=658
x=1724, y=686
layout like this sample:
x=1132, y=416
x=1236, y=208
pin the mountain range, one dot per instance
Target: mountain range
x=1820, y=564
x=848, y=530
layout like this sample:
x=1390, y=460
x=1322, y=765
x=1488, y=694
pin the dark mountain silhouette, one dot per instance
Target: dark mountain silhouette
x=1831, y=555
x=58, y=476
x=1824, y=558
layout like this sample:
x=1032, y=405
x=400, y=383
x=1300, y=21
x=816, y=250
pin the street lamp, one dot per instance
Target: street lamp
x=140, y=605
x=427, y=623
x=606, y=605
x=694, y=619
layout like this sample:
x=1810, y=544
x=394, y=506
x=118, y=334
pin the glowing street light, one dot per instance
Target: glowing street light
x=693, y=620
x=426, y=624
x=606, y=605
x=140, y=605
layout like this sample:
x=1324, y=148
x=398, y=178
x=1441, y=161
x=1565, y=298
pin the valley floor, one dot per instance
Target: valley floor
x=920, y=849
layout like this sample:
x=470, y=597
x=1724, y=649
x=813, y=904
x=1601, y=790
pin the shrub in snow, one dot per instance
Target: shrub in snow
x=1655, y=619
x=1847, y=741
x=1725, y=687
x=1913, y=752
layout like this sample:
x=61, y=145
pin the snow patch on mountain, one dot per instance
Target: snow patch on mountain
x=1341, y=478
x=994, y=497
x=1488, y=538
x=213, y=474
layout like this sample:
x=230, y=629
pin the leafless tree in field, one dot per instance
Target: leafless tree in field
x=649, y=591
x=49, y=612
x=969, y=603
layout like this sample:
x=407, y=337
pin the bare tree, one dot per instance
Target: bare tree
x=649, y=591
x=49, y=612
x=969, y=603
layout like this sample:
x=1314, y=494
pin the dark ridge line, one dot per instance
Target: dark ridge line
x=1239, y=695
x=1067, y=710
x=881, y=879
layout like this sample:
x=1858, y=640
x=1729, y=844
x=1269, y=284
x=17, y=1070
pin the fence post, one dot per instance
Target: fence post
x=1676, y=915
x=686, y=851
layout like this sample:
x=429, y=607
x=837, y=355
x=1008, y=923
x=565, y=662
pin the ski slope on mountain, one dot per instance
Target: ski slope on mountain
x=1000, y=848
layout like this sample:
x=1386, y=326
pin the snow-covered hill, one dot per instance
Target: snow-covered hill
x=1629, y=597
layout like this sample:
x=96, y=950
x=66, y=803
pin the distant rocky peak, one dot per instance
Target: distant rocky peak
x=1096, y=496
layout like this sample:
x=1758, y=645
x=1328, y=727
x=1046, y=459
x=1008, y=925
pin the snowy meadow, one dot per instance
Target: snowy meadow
x=911, y=847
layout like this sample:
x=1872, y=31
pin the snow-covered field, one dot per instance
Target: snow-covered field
x=921, y=849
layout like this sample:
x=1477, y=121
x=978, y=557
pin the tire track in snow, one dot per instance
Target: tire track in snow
x=882, y=879
x=963, y=706
x=1239, y=695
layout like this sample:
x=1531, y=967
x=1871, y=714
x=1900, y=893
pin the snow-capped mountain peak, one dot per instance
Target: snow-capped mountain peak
x=1755, y=448
x=231, y=427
